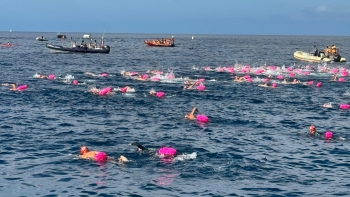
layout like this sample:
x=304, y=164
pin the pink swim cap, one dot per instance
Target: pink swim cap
x=319, y=84
x=329, y=135
x=75, y=82
x=52, y=76
x=201, y=87
x=105, y=91
x=144, y=76
x=344, y=106
x=155, y=78
x=274, y=85
x=101, y=157
x=104, y=74
x=123, y=89
x=247, y=77
x=160, y=94
x=342, y=79
x=167, y=151
x=202, y=118
x=22, y=87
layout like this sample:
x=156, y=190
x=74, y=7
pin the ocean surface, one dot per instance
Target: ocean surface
x=255, y=144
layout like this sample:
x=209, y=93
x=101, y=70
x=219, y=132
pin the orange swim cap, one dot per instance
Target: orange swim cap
x=84, y=150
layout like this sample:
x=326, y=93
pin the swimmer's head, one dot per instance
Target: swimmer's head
x=152, y=92
x=312, y=129
x=139, y=146
x=84, y=150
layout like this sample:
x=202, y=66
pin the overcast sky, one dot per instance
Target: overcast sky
x=253, y=17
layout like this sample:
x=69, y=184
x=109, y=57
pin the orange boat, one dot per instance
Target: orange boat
x=161, y=42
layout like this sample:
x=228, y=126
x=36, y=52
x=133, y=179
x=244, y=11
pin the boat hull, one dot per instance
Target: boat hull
x=57, y=48
x=158, y=43
x=303, y=56
x=41, y=39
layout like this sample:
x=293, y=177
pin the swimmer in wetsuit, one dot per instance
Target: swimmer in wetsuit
x=85, y=153
x=191, y=115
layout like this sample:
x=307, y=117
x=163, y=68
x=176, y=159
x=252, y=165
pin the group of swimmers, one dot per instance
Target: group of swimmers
x=163, y=152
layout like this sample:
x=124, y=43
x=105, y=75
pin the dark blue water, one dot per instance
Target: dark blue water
x=256, y=143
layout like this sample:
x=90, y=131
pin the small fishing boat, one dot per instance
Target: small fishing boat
x=161, y=42
x=304, y=56
x=82, y=48
x=59, y=35
x=41, y=38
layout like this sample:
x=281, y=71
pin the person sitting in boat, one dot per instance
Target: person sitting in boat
x=327, y=51
x=315, y=51
x=74, y=44
x=334, y=49
x=83, y=44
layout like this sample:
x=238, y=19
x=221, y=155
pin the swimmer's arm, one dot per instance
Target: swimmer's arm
x=120, y=160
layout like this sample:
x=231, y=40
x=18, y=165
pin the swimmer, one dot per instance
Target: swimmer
x=191, y=115
x=188, y=82
x=138, y=77
x=239, y=79
x=126, y=73
x=263, y=85
x=285, y=81
x=41, y=76
x=94, y=90
x=153, y=71
x=85, y=153
x=313, y=130
x=91, y=74
x=295, y=81
x=127, y=89
x=164, y=152
x=8, y=44
x=328, y=105
x=13, y=86
x=104, y=74
x=335, y=78
x=153, y=93
x=190, y=86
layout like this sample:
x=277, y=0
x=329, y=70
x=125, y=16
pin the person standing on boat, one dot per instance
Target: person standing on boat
x=315, y=51
x=334, y=49
x=327, y=52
